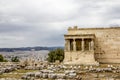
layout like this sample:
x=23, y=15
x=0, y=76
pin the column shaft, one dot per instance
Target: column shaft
x=82, y=45
x=92, y=45
x=68, y=45
x=74, y=45
x=89, y=46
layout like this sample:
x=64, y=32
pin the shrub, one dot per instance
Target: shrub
x=1, y=58
x=15, y=59
x=57, y=54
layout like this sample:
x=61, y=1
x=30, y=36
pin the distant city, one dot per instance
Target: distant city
x=38, y=48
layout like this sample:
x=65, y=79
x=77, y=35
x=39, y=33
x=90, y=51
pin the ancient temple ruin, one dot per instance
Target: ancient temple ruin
x=91, y=46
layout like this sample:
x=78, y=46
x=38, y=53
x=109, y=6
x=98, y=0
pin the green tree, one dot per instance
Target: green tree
x=57, y=54
x=15, y=59
x=1, y=58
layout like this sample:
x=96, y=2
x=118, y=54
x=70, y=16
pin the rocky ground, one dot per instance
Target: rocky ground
x=60, y=72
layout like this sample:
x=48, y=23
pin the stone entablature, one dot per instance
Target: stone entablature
x=102, y=43
x=101, y=28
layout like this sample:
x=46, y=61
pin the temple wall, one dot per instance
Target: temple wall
x=107, y=43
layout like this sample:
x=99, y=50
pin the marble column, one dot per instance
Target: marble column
x=92, y=44
x=82, y=44
x=74, y=45
x=66, y=45
x=89, y=46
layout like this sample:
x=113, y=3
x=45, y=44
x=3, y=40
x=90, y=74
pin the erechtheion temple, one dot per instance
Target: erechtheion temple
x=92, y=45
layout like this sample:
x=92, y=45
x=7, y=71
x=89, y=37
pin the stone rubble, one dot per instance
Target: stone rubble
x=69, y=72
x=62, y=72
x=7, y=69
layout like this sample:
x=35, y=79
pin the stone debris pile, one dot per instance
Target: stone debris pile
x=63, y=72
x=7, y=69
x=45, y=74
x=69, y=72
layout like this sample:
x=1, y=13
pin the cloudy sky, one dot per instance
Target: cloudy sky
x=44, y=22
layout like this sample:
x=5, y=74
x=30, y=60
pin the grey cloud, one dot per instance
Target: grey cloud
x=12, y=28
x=114, y=12
x=44, y=22
x=42, y=12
